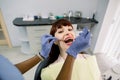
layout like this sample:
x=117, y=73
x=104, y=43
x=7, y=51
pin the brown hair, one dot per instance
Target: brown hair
x=54, y=53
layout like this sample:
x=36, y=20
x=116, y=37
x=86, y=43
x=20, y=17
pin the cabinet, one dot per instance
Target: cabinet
x=34, y=35
x=31, y=31
x=4, y=37
x=30, y=37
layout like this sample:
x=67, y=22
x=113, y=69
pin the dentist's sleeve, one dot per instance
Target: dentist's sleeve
x=8, y=71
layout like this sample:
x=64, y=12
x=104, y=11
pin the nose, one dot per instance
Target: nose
x=67, y=32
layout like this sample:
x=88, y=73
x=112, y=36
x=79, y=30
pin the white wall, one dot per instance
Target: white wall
x=108, y=41
x=100, y=12
x=105, y=26
x=17, y=8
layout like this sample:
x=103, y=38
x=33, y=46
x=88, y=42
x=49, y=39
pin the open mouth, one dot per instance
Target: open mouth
x=68, y=40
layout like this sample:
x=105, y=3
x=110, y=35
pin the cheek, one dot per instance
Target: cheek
x=62, y=45
x=74, y=35
x=59, y=37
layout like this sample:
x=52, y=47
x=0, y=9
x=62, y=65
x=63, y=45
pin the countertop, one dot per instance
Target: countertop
x=45, y=21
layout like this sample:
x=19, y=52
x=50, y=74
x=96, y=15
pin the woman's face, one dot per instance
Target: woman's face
x=65, y=36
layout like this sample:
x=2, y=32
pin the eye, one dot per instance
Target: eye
x=61, y=31
x=70, y=29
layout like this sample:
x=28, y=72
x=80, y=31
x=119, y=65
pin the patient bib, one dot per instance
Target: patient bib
x=84, y=69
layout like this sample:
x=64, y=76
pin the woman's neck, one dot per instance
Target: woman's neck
x=63, y=54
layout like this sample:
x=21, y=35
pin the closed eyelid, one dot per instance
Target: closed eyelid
x=70, y=28
x=60, y=31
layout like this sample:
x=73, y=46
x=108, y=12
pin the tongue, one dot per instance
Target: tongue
x=69, y=40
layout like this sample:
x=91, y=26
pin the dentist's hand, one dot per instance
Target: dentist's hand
x=80, y=43
x=47, y=42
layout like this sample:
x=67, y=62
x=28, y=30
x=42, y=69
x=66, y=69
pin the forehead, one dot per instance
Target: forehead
x=60, y=27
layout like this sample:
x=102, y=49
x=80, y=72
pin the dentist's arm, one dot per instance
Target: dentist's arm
x=80, y=43
x=28, y=64
x=66, y=71
x=47, y=41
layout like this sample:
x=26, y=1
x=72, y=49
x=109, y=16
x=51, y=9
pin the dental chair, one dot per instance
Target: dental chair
x=42, y=65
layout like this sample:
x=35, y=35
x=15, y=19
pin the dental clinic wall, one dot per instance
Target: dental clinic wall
x=19, y=8
x=109, y=37
x=101, y=8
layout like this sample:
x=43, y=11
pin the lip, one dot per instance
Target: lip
x=68, y=43
x=68, y=37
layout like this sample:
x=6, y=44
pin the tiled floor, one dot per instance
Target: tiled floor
x=15, y=56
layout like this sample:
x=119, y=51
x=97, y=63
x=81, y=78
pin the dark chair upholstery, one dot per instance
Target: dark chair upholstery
x=42, y=65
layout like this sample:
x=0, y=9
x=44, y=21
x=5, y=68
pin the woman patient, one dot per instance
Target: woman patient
x=67, y=61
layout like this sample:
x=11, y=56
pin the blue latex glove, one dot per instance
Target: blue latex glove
x=47, y=42
x=8, y=71
x=80, y=43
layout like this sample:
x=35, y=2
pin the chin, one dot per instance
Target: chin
x=67, y=46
